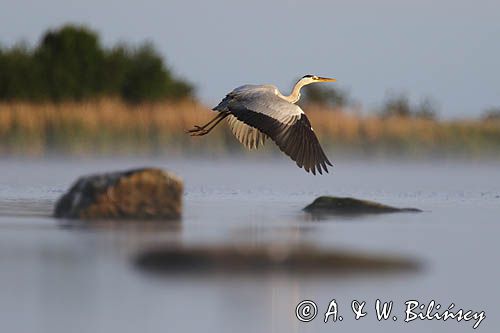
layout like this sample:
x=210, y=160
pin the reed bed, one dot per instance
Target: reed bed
x=112, y=127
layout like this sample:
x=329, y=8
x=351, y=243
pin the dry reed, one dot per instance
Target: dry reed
x=109, y=126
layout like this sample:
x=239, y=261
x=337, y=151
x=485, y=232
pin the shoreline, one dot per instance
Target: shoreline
x=110, y=126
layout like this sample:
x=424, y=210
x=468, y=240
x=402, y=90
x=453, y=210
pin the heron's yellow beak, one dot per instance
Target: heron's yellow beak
x=326, y=79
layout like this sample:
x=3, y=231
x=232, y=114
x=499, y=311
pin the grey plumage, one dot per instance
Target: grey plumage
x=256, y=112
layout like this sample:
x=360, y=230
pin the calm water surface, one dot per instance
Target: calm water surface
x=60, y=277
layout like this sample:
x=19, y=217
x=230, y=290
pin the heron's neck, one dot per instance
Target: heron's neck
x=295, y=95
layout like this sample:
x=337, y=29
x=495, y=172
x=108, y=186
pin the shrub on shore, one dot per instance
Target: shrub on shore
x=400, y=106
x=70, y=64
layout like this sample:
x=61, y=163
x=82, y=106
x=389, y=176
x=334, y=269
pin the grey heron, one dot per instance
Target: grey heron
x=255, y=112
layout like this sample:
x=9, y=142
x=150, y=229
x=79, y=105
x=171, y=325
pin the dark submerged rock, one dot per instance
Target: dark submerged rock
x=242, y=258
x=146, y=193
x=352, y=206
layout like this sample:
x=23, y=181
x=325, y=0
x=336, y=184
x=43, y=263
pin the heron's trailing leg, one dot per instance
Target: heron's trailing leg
x=197, y=128
x=203, y=130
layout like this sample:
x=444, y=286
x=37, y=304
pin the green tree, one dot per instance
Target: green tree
x=400, y=106
x=397, y=105
x=147, y=78
x=19, y=75
x=71, y=61
x=71, y=64
x=116, y=66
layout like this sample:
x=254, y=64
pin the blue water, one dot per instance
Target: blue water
x=57, y=276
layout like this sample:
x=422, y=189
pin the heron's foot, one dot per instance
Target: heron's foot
x=195, y=129
x=198, y=131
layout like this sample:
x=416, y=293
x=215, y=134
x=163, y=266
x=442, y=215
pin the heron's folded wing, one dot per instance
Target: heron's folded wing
x=286, y=124
x=249, y=136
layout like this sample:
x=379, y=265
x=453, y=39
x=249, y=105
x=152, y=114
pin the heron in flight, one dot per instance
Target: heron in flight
x=256, y=112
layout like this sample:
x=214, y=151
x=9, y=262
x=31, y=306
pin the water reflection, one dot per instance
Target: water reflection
x=276, y=257
x=65, y=275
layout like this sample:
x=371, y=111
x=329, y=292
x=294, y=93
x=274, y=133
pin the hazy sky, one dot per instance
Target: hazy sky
x=446, y=49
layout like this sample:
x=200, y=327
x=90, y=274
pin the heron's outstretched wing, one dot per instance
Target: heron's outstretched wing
x=249, y=136
x=285, y=123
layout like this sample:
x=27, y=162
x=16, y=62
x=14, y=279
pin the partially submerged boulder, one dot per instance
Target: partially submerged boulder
x=146, y=193
x=351, y=206
x=248, y=258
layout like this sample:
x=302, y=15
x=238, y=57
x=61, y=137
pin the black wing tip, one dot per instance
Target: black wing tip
x=296, y=140
x=317, y=168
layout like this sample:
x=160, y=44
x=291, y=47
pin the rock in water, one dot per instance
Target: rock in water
x=276, y=257
x=134, y=194
x=352, y=206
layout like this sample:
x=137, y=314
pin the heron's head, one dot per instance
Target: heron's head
x=308, y=79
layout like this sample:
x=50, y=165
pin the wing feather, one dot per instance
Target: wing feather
x=305, y=150
x=257, y=112
x=249, y=136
